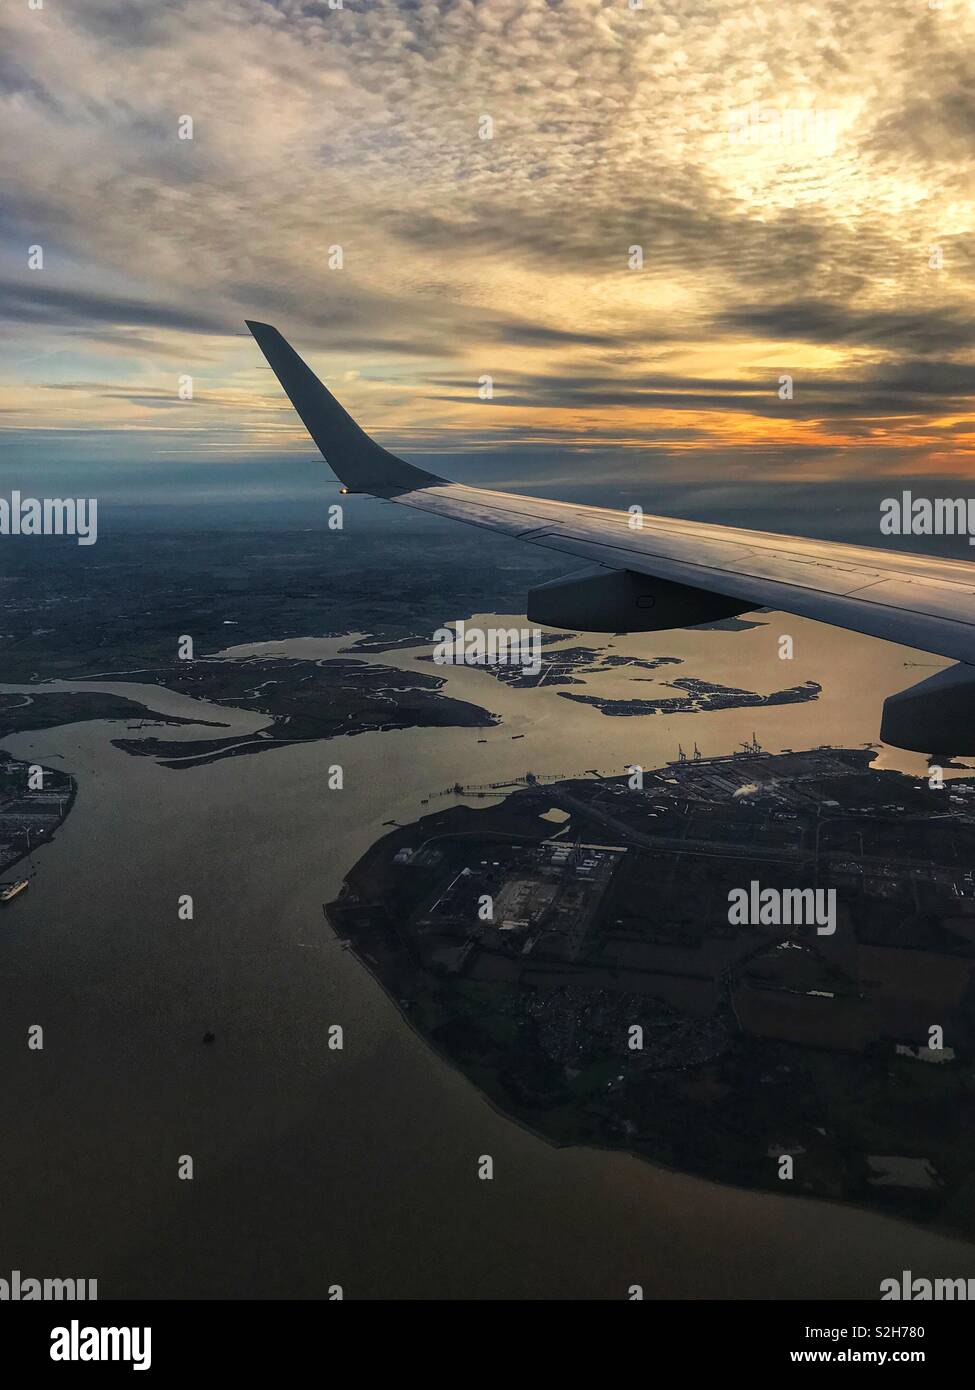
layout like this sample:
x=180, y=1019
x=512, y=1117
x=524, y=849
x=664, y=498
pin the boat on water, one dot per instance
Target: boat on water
x=10, y=890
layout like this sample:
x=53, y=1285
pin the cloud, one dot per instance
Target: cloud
x=935, y=329
x=894, y=390
x=24, y=302
x=784, y=174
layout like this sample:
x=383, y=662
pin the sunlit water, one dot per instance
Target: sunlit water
x=315, y=1167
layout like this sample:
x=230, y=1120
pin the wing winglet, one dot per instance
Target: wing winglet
x=358, y=461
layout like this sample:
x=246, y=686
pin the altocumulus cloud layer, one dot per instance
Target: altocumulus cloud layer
x=798, y=179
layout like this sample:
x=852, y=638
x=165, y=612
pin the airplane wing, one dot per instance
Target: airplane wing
x=653, y=572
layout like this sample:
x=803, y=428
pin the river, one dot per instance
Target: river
x=359, y=1167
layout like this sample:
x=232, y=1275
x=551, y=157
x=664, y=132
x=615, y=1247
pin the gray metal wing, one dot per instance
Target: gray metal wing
x=920, y=601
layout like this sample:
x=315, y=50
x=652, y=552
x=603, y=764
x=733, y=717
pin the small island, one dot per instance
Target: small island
x=304, y=701
x=697, y=696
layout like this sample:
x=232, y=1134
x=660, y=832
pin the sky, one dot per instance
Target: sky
x=635, y=218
